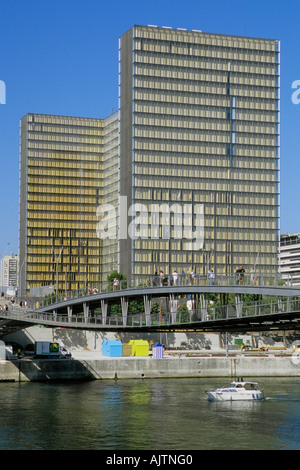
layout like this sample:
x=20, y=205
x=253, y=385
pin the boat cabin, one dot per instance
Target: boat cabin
x=245, y=385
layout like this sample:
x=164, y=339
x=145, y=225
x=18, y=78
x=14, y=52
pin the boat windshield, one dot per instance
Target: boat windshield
x=251, y=386
x=245, y=385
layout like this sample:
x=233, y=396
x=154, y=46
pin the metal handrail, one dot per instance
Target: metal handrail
x=179, y=317
x=198, y=280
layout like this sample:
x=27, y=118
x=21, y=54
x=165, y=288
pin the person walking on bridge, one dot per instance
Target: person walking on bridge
x=175, y=277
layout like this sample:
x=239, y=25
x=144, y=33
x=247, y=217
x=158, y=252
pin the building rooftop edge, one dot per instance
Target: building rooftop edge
x=71, y=116
x=290, y=235
x=183, y=30
x=64, y=116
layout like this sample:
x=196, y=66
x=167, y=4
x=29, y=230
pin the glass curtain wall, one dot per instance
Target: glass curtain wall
x=109, y=240
x=202, y=114
x=60, y=189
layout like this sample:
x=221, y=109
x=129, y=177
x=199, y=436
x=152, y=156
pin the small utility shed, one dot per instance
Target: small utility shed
x=111, y=348
x=158, y=350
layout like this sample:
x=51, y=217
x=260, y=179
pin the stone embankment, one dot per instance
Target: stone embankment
x=90, y=366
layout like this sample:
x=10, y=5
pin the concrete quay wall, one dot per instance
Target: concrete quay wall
x=23, y=370
x=87, y=362
x=195, y=367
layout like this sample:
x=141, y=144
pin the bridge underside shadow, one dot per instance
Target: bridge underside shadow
x=12, y=326
x=278, y=322
x=262, y=323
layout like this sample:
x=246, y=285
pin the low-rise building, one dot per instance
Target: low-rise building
x=290, y=257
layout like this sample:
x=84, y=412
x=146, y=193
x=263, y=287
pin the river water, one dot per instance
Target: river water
x=147, y=414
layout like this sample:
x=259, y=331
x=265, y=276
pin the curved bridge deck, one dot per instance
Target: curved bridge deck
x=90, y=312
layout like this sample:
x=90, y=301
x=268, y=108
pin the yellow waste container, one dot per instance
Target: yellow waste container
x=139, y=347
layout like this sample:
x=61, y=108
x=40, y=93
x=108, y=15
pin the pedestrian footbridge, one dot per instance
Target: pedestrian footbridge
x=276, y=306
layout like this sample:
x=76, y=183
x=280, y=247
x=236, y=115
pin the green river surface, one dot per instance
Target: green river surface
x=147, y=414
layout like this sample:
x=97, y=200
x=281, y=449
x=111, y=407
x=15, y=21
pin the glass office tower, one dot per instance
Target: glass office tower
x=110, y=245
x=61, y=172
x=199, y=129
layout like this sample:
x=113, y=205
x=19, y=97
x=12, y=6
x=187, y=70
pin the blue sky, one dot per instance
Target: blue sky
x=61, y=57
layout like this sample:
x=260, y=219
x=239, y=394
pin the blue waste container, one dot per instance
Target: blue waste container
x=111, y=348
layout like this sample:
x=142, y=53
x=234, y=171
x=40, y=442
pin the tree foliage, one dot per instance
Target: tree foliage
x=116, y=274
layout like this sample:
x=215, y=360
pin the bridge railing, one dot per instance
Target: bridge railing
x=211, y=313
x=200, y=280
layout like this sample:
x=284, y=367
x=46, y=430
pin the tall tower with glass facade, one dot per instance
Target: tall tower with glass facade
x=61, y=171
x=199, y=127
x=110, y=245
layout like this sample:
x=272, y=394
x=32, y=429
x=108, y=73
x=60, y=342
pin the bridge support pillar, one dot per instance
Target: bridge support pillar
x=239, y=306
x=86, y=311
x=69, y=308
x=204, y=304
x=173, y=308
x=147, y=306
x=104, y=305
x=124, y=304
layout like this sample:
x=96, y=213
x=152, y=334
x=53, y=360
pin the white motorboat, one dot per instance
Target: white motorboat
x=239, y=390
